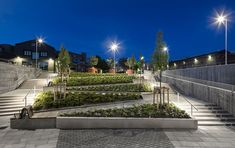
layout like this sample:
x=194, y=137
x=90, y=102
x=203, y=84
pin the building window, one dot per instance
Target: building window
x=43, y=54
x=27, y=53
x=34, y=55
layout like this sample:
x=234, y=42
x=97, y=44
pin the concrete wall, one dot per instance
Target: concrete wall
x=217, y=73
x=220, y=96
x=11, y=76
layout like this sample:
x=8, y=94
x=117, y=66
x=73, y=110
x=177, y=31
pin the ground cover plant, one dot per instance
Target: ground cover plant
x=142, y=111
x=117, y=88
x=79, y=81
x=86, y=74
x=45, y=100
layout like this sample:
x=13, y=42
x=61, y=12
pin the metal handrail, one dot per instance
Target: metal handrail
x=192, y=106
x=26, y=96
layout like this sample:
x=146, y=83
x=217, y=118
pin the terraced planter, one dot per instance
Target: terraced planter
x=116, y=88
x=45, y=100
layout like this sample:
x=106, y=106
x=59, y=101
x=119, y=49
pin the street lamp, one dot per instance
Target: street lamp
x=114, y=47
x=38, y=41
x=222, y=19
x=165, y=49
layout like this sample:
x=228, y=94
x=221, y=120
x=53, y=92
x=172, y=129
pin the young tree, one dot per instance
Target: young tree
x=129, y=63
x=63, y=62
x=93, y=61
x=159, y=59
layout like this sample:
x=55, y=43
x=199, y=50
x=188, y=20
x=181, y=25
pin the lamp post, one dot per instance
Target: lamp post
x=165, y=49
x=114, y=47
x=38, y=41
x=222, y=19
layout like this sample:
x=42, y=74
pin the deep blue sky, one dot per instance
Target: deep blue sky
x=87, y=25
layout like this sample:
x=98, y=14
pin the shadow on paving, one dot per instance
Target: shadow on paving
x=118, y=138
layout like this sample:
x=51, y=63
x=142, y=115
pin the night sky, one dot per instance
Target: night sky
x=89, y=25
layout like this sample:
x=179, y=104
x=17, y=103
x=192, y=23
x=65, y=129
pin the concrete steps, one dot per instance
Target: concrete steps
x=10, y=105
x=210, y=114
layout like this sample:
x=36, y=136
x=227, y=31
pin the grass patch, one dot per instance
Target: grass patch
x=142, y=111
x=45, y=100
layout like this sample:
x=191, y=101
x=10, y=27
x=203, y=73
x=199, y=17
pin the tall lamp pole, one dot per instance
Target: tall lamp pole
x=222, y=19
x=114, y=47
x=165, y=49
x=38, y=41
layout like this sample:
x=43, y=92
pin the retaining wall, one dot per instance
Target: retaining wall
x=214, y=94
x=11, y=76
x=216, y=73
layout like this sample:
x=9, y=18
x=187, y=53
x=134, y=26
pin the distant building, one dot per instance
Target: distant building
x=213, y=58
x=45, y=55
x=78, y=61
x=24, y=53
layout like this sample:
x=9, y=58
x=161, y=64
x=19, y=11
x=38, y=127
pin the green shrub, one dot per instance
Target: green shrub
x=45, y=99
x=78, y=81
x=86, y=74
x=142, y=111
x=117, y=88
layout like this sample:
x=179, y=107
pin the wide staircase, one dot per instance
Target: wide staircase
x=207, y=114
x=10, y=105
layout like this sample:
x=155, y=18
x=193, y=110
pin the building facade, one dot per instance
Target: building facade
x=24, y=53
x=78, y=61
x=27, y=55
x=213, y=58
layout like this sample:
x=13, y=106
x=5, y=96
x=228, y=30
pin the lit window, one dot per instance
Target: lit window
x=43, y=54
x=27, y=53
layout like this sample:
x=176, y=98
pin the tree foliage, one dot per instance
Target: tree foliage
x=131, y=62
x=159, y=59
x=93, y=61
x=63, y=62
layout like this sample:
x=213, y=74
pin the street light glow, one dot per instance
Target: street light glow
x=165, y=49
x=220, y=19
x=209, y=58
x=114, y=46
x=40, y=40
x=142, y=58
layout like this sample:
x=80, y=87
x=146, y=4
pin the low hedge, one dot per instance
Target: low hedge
x=86, y=74
x=78, y=81
x=142, y=111
x=117, y=88
x=45, y=100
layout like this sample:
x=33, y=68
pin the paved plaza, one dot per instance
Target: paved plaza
x=205, y=136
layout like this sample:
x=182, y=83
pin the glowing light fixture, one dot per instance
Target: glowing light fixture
x=195, y=61
x=209, y=58
x=165, y=49
x=222, y=19
x=38, y=41
x=114, y=47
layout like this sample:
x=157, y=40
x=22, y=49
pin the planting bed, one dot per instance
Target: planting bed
x=142, y=111
x=45, y=100
x=117, y=88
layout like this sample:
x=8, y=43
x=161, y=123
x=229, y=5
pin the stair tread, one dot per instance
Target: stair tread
x=11, y=106
x=10, y=109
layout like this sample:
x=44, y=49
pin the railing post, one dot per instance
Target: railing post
x=178, y=97
x=191, y=110
x=25, y=101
